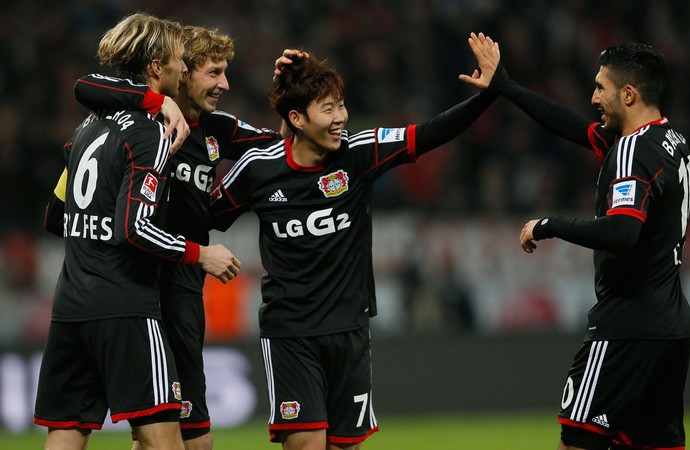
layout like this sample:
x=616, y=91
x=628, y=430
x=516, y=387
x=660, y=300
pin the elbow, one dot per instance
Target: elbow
x=626, y=238
x=627, y=242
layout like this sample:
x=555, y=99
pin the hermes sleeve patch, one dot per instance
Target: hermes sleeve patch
x=623, y=193
x=385, y=135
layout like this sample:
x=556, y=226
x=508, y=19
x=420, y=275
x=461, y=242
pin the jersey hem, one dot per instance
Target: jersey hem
x=298, y=334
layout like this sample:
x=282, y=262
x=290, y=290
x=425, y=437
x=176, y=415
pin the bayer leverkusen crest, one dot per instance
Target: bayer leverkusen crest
x=212, y=147
x=289, y=410
x=334, y=183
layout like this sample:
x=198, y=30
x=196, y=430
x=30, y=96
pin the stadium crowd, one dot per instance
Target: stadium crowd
x=504, y=166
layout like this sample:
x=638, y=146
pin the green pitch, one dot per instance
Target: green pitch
x=525, y=431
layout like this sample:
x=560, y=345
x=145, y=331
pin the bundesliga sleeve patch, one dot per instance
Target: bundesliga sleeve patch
x=385, y=135
x=623, y=193
x=148, y=188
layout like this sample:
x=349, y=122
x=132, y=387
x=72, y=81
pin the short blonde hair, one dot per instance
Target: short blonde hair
x=131, y=45
x=202, y=43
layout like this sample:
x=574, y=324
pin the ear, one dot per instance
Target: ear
x=295, y=119
x=185, y=77
x=154, y=69
x=629, y=94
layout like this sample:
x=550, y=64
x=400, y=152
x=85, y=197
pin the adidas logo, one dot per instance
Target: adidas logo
x=601, y=420
x=277, y=197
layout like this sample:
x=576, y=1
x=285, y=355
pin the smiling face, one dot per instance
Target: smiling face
x=204, y=84
x=322, y=124
x=607, y=98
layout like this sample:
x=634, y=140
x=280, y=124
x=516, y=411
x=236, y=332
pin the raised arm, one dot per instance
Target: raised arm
x=454, y=121
x=555, y=117
x=98, y=92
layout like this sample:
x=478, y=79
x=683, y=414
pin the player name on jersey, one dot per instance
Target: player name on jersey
x=88, y=227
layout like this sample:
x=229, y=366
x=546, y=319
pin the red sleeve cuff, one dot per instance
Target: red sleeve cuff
x=191, y=254
x=152, y=101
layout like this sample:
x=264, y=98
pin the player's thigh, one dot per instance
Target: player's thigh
x=70, y=389
x=304, y=440
x=160, y=435
x=73, y=439
x=297, y=385
x=347, y=361
x=628, y=391
x=183, y=318
x=138, y=366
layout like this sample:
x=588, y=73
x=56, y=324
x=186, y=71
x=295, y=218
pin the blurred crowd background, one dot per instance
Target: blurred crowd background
x=447, y=227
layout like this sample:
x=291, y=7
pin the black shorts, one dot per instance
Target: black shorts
x=183, y=318
x=123, y=364
x=321, y=382
x=627, y=393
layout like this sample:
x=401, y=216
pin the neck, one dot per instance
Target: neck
x=640, y=118
x=305, y=153
x=185, y=105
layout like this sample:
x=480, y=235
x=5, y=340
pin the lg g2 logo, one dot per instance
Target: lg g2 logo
x=319, y=223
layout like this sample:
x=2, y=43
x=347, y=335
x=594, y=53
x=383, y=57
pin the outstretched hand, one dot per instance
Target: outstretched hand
x=175, y=123
x=488, y=56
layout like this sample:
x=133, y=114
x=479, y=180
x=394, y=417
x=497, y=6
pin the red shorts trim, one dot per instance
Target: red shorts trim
x=351, y=440
x=619, y=438
x=66, y=425
x=205, y=424
x=145, y=412
x=294, y=426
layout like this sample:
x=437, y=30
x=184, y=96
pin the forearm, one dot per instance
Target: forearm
x=97, y=92
x=617, y=232
x=554, y=116
x=452, y=122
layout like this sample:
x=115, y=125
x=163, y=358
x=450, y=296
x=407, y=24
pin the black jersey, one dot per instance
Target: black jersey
x=315, y=233
x=113, y=249
x=645, y=175
x=213, y=137
x=315, y=229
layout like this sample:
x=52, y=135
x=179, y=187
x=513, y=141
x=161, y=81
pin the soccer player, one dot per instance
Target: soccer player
x=106, y=348
x=312, y=195
x=625, y=386
x=215, y=135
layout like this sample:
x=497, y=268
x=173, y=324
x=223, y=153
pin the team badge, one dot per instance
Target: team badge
x=148, y=188
x=623, y=193
x=186, y=410
x=212, y=147
x=177, y=390
x=334, y=183
x=289, y=410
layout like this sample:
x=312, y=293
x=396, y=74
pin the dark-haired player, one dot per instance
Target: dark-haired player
x=625, y=387
x=312, y=195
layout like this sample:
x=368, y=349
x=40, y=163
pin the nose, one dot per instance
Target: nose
x=223, y=82
x=184, y=66
x=340, y=115
x=595, y=97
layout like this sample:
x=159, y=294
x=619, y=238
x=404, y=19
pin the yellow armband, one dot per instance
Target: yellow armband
x=61, y=187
